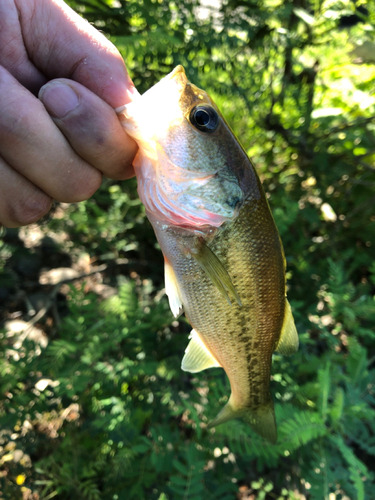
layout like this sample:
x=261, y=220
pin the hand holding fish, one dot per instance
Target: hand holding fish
x=224, y=261
x=57, y=146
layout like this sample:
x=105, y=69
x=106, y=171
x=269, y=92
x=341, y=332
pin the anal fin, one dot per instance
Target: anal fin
x=171, y=289
x=197, y=356
x=288, y=342
x=212, y=266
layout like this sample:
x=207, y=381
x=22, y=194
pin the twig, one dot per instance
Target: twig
x=51, y=300
x=340, y=128
x=359, y=207
x=367, y=166
x=113, y=263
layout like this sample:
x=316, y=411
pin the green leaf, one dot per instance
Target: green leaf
x=304, y=15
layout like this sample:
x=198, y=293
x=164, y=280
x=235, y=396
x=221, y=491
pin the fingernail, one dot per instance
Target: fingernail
x=58, y=98
x=132, y=93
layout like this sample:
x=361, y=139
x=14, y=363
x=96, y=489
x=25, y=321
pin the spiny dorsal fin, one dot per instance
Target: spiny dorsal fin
x=171, y=289
x=197, y=356
x=288, y=343
x=216, y=271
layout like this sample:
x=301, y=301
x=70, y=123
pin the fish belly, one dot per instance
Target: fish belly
x=241, y=338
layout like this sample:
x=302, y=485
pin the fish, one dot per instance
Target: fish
x=224, y=260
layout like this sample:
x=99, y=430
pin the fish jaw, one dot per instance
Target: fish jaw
x=143, y=125
x=185, y=178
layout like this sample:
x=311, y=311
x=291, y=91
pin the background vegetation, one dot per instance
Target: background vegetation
x=94, y=404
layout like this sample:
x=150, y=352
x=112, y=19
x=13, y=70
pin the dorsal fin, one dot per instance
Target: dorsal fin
x=215, y=270
x=171, y=289
x=288, y=342
x=197, y=356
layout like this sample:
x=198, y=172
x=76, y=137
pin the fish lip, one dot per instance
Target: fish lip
x=177, y=72
x=175, y=81
x=178, y=77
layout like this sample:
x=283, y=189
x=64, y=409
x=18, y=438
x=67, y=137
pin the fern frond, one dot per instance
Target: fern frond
x=304, y=427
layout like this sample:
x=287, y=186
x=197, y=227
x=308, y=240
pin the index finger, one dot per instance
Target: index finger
x=62, y=44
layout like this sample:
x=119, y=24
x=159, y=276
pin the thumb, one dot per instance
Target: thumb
x=91, y=127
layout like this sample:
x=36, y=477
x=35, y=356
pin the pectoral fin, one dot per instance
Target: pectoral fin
x=216, y=272
x=171, y=289
x=288, y=343
x=197, y=356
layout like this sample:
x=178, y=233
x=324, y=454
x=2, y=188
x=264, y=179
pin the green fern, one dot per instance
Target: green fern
x=187, y=480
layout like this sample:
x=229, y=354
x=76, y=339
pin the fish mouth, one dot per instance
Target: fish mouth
x=168, y=90
x=178, y=70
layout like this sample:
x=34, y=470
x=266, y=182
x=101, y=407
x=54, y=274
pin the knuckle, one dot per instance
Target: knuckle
x=30, y=209
x=82, y=187
x=120, y=171
x=17, y=122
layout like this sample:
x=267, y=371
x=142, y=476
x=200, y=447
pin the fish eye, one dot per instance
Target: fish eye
x=204, y=118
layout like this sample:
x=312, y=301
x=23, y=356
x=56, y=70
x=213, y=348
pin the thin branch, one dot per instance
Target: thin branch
x=367, y=166
x=340, y=128
x=51, y=300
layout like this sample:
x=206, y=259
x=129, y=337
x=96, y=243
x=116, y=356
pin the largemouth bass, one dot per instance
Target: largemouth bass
x=224, y=261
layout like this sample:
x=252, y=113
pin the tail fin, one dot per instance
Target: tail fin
x=261, y=420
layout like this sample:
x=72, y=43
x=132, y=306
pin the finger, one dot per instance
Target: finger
x=13, y=55
x=91, y=127
x=62, y=44
x=21, y=202
x=32, y=144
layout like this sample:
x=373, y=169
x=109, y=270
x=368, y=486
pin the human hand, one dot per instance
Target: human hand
x=58, y=146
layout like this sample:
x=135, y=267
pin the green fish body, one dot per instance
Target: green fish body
x=224, y=261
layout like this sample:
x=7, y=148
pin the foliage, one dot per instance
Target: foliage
x=104, y=411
